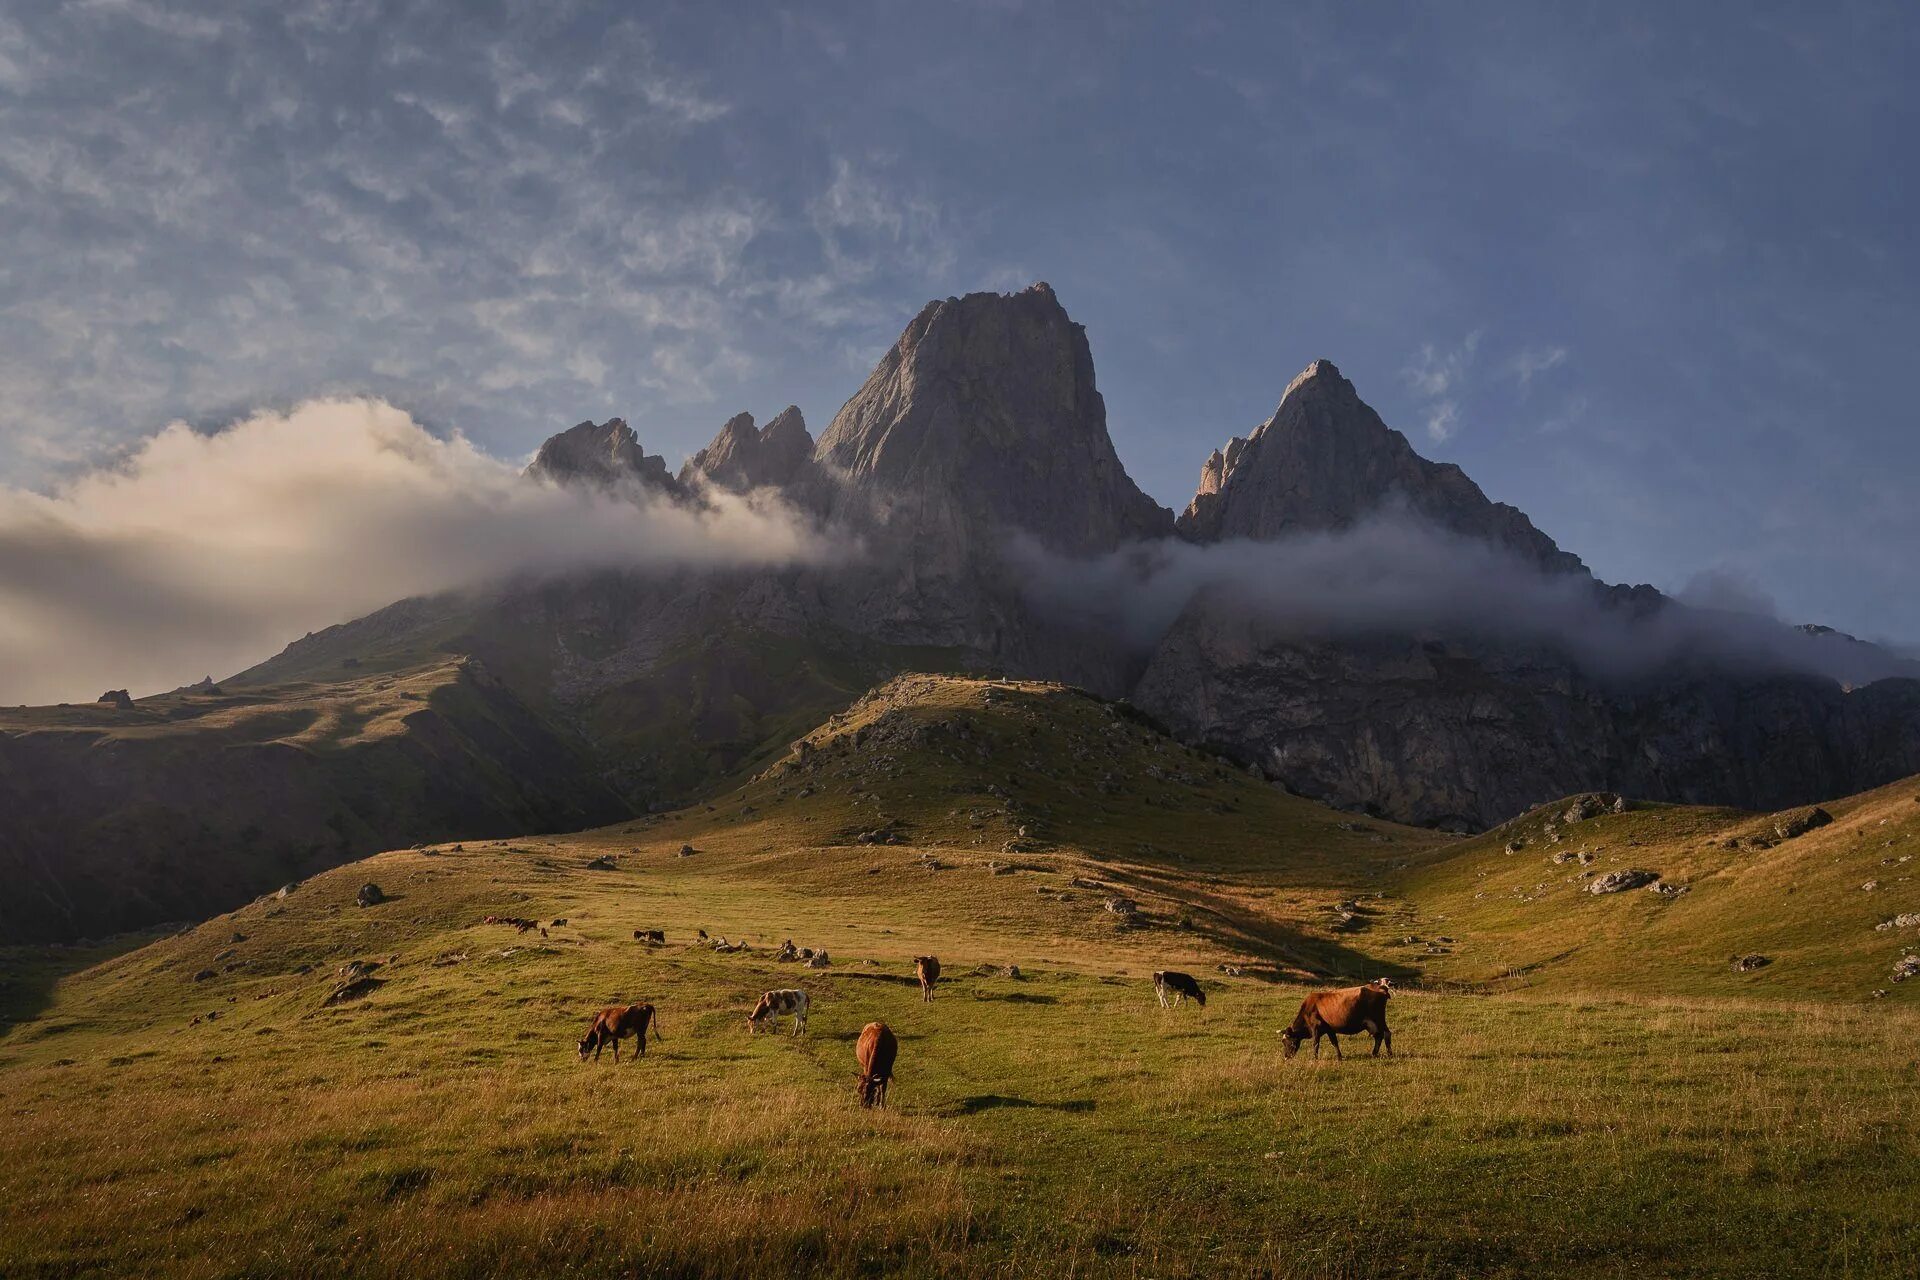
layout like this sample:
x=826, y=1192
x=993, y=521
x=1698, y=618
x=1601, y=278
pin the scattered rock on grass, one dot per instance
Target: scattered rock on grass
x=1801, y=821
x=1620, y=881
x=358, y=989
x=1748, y=963
x=370, y=895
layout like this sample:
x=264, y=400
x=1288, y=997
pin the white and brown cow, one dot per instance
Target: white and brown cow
x=775, y=1005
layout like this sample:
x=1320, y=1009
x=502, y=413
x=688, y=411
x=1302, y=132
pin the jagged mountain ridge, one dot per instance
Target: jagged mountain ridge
x=1325, y=459
x=983, y=426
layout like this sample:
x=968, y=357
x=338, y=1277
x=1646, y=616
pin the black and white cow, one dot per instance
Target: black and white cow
x=1174, y=987
x=775, y=1005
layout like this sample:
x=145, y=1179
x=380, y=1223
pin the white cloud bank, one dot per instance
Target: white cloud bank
x=201, y=554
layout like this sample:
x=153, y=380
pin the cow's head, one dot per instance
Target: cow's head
x=587, y=1042
x=868, y=1088
x=1291, y=1039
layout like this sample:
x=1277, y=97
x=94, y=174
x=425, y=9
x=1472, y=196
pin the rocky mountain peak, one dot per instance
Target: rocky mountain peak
x=742, y=457
x=985, y=415
x=605, y=454
x=1325, y=460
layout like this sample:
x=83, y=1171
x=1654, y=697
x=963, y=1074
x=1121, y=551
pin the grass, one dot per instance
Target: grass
x=1811, y=905
x=1056, y=1123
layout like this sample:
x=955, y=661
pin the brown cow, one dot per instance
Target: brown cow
x=613, y=1023
x=927, y=969
x=1343, y=1013
x=875, y=1052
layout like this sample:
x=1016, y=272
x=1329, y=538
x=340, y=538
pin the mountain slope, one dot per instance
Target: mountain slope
x=1820, y=908
x=184, y=804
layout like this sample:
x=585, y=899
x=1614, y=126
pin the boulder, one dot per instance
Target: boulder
x=1800, y=821
x=370, y=895
x=1621, y=881
x=117, y=698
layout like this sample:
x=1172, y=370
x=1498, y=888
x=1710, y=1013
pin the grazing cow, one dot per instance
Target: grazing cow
x=927, y=969
x=652, y=937
x=875, y=1051
x=1173, y=987
x=613, y=1023
x=1343, y=1013
x=775, y=1005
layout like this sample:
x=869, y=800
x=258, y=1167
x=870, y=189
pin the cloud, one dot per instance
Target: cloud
x=1530, y=362
x=1438, y=377
x=1397, y=575
x=1434, y=373
x=203, y=553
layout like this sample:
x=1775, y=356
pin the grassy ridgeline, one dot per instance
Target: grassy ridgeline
x=1057, y=1123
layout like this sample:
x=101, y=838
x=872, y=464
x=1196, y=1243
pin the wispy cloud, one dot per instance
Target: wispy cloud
x=1438, y=376
x=1530, y=362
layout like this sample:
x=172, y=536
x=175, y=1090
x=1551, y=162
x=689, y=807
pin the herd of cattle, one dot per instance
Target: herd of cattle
x=1328, y=1014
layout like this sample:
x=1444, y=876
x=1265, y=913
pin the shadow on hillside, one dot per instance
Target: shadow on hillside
x=1016, y=997
x=1226, y=923
x=994, y=1101
x=29, y=976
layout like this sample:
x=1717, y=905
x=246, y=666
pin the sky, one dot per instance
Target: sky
x=1651, y=277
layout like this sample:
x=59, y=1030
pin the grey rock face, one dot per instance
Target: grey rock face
x=1454, y=730
x=1446, y=731
x=742, y=457
x=1325, y=459
x=984, y=418
x=607, y=455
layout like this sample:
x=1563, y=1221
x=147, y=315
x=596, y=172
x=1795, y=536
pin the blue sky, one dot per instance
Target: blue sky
x=1652, y=278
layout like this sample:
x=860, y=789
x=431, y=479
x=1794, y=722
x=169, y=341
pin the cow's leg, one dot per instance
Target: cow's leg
x=1336, y=1046
x=616, y=1048
x=599, y=1043
x=1386, y=1038
x=1317, y=1033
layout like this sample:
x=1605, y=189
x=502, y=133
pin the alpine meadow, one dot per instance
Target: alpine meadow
x=900, y=839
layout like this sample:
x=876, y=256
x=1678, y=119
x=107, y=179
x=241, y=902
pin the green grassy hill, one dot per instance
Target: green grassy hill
x=214, y=1104
x=1517, y=906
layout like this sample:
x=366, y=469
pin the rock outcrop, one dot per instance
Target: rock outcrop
x=1325, y=460
x=741, y=457
x=984, y=420
x=607, y=455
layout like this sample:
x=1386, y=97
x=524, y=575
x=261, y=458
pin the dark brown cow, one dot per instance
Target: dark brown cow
x=875, y=1052
x=927, y=969
x=615, y=1022
x=1343, y=1013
